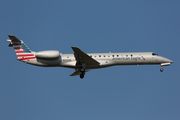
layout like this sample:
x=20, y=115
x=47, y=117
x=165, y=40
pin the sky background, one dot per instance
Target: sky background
x=122, y=92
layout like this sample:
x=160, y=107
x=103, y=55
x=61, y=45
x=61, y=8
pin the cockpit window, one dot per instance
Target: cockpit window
x=154, y=54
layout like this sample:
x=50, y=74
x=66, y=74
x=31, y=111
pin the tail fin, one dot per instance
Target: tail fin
x=21, y=50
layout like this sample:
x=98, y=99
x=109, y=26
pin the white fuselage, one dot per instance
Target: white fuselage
x=82, y=62
x=105, y=60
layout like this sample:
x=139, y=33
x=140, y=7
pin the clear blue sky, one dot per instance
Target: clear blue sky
x=123, y=92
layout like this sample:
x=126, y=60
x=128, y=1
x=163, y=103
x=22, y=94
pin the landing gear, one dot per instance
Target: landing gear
x=81, y=76
x=161, y=69
x=82, y=71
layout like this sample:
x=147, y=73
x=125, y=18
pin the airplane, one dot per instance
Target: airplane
x=81, y=61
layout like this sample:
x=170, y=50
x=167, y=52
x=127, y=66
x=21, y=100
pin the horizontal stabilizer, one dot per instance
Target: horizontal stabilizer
x=13, y=38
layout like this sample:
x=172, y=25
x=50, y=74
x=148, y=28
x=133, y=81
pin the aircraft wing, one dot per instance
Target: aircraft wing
x=82, y=57
x=78, y=72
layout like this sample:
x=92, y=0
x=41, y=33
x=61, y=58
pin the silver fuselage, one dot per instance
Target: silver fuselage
x=82, y=62
x=105, y=60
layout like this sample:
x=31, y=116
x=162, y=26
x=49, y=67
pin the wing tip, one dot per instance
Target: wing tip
x=74, y=47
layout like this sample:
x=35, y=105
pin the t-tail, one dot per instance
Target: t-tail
x=22, y=51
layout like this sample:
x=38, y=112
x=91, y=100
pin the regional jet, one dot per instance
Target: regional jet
x=81, y=61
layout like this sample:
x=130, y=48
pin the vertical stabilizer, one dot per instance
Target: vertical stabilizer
x=21, y=50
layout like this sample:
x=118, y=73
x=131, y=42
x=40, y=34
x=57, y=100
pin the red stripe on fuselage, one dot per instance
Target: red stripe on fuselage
x=25, y=55
x=28, y=58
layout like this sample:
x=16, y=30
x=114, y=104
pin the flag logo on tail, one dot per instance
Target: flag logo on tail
x=20, y=48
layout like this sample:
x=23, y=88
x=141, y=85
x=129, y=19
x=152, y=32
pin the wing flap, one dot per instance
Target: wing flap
x=13, y=38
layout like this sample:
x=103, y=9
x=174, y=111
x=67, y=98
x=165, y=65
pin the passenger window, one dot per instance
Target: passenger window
x=112, y=55
x=104, y=56
x=117, y=55
x=91, y=56
x=126, y=55
x=99, y=55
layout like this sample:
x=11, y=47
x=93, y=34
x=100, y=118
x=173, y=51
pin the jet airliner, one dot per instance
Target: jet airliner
x=81, y=61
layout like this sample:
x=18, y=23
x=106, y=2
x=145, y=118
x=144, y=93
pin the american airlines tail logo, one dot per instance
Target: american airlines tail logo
x=143, y=58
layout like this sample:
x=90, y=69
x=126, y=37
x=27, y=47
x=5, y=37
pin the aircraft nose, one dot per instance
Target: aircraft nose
x=171, y=61
x=166, y=60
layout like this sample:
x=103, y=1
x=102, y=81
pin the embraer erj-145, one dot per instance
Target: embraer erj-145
x=82, y=62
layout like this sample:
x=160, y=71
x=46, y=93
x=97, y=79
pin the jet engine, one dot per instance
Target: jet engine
x=48, y=54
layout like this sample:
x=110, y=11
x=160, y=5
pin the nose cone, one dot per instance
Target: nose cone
x=168, y=60
x=165, y=60
x=171, y=61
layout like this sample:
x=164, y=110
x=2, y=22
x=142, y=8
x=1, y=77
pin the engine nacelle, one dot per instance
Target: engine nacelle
x=48, y=54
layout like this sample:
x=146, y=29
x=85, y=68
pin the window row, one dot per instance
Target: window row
x=109, y=55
